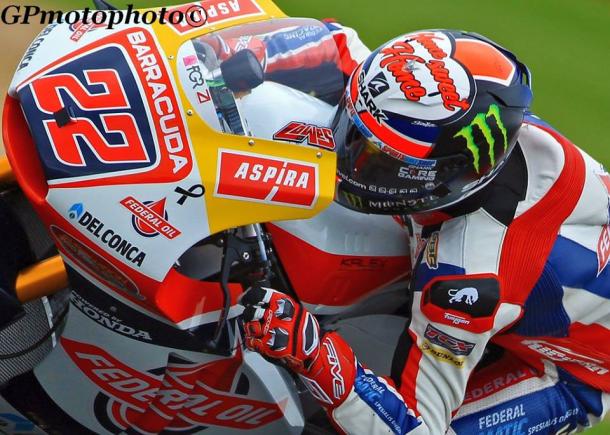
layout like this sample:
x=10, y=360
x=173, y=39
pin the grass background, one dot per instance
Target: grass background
x=565, y=43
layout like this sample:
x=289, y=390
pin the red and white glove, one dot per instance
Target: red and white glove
x=280, y=329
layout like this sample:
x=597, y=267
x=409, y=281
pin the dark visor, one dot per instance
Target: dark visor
x=376, y=172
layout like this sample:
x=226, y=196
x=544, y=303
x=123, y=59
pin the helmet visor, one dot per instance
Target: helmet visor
x=385, y=180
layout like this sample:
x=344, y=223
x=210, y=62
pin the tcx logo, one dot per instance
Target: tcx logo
x=456, y=346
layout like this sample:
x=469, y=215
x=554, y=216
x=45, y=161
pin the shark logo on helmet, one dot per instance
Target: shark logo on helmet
x=378, y=85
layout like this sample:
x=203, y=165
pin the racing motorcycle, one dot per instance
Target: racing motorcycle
x=154, y=173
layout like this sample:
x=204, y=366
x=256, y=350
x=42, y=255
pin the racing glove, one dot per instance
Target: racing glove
x=281, y=330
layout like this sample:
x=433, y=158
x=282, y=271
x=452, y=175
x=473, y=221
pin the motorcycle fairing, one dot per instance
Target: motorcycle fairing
x=133, y=207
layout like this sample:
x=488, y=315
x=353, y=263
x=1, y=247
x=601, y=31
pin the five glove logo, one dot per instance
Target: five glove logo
x=266, y=179
x=335, y=369
x=481, y=122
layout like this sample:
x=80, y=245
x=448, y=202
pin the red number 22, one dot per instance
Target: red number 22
x=64, y=141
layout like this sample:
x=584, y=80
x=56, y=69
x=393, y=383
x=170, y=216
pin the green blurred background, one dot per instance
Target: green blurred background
x=566, y=44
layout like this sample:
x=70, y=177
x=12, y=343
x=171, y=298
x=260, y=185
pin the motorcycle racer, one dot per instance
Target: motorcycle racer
x=509, y=234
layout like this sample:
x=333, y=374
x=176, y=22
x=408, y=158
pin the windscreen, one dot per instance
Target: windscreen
x=220, y=71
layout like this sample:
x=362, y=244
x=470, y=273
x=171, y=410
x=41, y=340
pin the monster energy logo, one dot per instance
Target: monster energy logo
x=481, y=121
x=353, y=200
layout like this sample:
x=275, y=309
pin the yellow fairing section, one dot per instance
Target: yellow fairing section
x=224, y=213
x=168, y=36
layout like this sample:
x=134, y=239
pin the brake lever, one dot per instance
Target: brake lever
x=235, y=250
x=229, y=256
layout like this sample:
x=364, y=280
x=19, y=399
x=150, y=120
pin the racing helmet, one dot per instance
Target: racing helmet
x=427, y=120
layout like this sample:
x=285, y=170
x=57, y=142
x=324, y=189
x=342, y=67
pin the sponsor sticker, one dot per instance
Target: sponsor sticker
x=562, y=354
x=414, y=173
x=467, y=295
x=480, y=388
x=431, y=253
x=265, y=179
x=203, y=393
x=502, y=417
x=412, y=161
x=213, y=12
x=93, y=121
x=374, y=392
x=603, y=244
x=456, y=320
x=150, y=219
x=454, y=345
x=108, y=320
x=441, y=354
x=603, y=249
x=107, y=236
x=378, y=85
x=363, y=263
x=299, y=132
x=469, y=302
x=35, y=45
x=482, y=122
x=81, y=28
x=366, y=100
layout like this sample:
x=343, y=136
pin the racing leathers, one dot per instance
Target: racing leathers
x=521, y=266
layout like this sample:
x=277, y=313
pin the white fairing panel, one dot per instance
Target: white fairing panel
x=340, y=231
x=287, y=105
x=111, y=383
